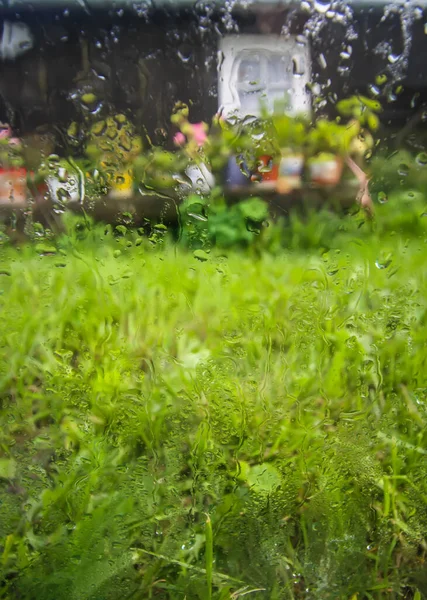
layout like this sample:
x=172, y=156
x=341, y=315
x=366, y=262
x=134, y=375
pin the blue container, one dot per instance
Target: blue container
x=233, y=175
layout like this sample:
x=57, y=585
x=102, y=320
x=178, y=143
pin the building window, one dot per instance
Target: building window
x=263, y=69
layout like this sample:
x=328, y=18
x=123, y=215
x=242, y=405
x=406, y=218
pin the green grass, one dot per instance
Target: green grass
x=250, y=425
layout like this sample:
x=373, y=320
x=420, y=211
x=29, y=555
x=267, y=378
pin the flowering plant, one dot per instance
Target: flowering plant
x=10, y=149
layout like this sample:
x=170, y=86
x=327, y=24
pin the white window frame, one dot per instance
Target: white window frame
x=233, y=46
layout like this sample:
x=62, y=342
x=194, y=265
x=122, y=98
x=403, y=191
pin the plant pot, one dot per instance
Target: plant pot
x=267, y=169
x=122, y=186
x=290, y=170
x=13, y=186
x=326, y=169
x=65, y=188
x=234, y=177
x=202, y=180
x=291, y=165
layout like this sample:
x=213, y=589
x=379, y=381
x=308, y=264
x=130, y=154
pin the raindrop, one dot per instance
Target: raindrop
x=391, y=96
x=197, y=216
x=322, y=61
x=121, y=230
x=201, y=255
x=374, y=90
x=297, y=67
x=100, y=75
x=253, y=226
x=321, y=6
x=403, y=170
x=88, y=99
x=183, y=56
x=414, y=99
x=421, y=159
x=63, y=195
x=393, y=58
x=382, y=265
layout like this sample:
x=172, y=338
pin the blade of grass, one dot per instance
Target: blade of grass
x=209, y=556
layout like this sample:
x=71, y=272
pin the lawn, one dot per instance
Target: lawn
x=180, y=425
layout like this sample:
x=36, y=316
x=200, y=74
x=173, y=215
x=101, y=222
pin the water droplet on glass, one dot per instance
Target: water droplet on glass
x=421, y=159
x=184, y=56
x=393, y=58
x=201, y=255
x=321, y=6
x=322, y=61
x=297, y=67
x=374, y=90
x=382, y=265
x=403, y=170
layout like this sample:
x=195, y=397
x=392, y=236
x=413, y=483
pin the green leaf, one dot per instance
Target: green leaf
x=263, y=478
x=7, y=468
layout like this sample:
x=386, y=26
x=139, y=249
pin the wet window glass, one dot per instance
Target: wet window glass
x=213, y=326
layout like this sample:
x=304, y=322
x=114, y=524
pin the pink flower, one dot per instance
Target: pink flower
x=179, y=139
x=199, y=133
x=5, y=131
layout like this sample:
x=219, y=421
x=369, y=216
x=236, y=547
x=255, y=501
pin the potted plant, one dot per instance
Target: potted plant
x=291, y=134
x=328, y=145
x=332, y=142
x=13, y=174
x=160, y=172
x=113, y=146
x=266, y=151
x=192, y=140
x=228, y=144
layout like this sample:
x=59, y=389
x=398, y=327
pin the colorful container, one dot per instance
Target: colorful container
x=13, y=186
x=326, y=170
x=234, y=177
x=268, y=169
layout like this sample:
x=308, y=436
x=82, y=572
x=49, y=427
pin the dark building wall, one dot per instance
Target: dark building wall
x=142, y=63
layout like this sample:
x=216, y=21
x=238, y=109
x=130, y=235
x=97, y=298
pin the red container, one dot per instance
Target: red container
x=13, y=186
x=268, y=170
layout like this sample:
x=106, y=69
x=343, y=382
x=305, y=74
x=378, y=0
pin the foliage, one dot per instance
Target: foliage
x=331, y=137
x=11, y=153
x=110, y=145
x=159, y=169
x=364, y=110
x=211, y=221
x=199, y=425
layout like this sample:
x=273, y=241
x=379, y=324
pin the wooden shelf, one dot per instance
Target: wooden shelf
x=166, y=208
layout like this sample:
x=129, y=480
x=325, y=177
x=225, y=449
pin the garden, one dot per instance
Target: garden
x=232, y=405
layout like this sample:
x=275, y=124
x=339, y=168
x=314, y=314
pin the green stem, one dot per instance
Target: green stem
x=209, y=556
